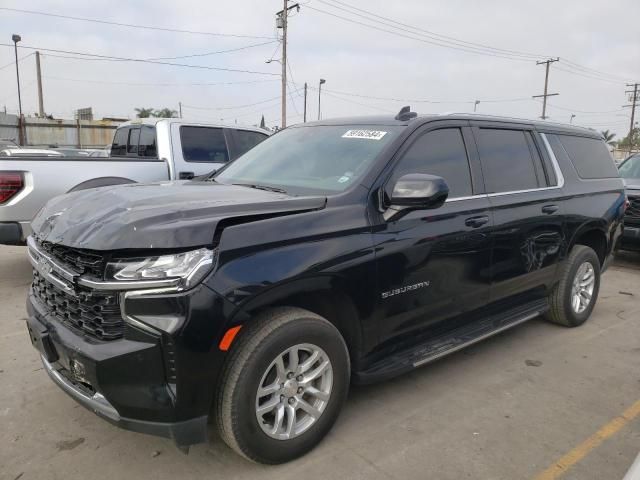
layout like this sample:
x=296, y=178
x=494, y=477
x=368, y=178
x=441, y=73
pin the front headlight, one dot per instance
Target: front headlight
x=186, y=268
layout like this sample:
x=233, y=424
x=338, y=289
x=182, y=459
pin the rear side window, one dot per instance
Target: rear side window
x=245, y=140
x=119, y=145
x=203, y=144
x=442, y=153
x=507, y=162
x=147, y=146
x=589, y=156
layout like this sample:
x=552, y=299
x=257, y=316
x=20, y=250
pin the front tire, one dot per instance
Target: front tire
x=283, y=385
x=575, y=296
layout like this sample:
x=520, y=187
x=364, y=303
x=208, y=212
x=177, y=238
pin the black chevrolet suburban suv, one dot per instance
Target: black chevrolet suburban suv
x=341, y=251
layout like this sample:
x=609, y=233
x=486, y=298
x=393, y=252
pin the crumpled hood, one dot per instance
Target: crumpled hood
x=159, y=215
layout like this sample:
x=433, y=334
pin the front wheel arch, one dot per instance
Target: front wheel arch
x=101, y=182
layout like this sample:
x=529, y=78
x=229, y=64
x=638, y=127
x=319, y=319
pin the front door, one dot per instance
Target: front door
x=434, y=265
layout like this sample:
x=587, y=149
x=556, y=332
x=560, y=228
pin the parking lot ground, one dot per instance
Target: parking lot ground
x=507, y=408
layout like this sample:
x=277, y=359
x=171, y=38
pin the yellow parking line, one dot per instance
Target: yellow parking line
x=563, y=464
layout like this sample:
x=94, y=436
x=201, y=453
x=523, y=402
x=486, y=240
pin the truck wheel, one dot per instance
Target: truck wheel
x=574, y=298
x=282, y=386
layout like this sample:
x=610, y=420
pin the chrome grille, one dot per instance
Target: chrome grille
x=92, y=313
x=81, y=261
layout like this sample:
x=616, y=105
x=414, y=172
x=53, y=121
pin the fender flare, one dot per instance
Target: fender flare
x=101, y=182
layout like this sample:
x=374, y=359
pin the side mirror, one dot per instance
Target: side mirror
x=417, y=191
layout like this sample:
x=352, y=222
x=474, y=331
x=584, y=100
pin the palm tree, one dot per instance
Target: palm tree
x=144, y=112
x=608, y=137
x=165, y=113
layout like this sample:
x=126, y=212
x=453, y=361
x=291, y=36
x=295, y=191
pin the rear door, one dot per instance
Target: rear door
x=433, y=265
x=525, y=194
x=198, y=150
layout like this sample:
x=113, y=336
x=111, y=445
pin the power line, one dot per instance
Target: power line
x=234, y=107
x=458, y=44
x=419, y=39
x=406, y=100
x=131, y=25
x=13, y=62
x=137, y=84
x=137, y=60
x=353, y=101
x=429, y=34
x=246, y=47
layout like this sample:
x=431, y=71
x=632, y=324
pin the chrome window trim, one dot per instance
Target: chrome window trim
x=468, y=197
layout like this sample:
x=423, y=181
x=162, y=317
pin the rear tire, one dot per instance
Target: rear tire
x=270, y=407
x=574, y=297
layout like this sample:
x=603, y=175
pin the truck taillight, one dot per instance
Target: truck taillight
x=10, y=184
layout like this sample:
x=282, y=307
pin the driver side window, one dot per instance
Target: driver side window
x=439, y=152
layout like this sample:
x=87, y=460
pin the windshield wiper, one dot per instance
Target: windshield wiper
x=262, y=187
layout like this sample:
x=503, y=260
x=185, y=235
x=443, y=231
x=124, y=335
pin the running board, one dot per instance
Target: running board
x=449, y=342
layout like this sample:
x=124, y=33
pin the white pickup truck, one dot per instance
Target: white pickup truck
x=145, y=150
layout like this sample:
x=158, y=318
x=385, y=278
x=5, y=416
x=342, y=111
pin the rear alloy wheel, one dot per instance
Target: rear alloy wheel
x=574, y=297
x=583, y=284
x=282, y=386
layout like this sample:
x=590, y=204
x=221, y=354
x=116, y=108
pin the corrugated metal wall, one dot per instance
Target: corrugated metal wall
x=43, y=132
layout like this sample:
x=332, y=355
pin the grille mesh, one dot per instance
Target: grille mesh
x=96, y=314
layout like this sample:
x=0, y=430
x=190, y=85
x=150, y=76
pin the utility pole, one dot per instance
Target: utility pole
x=475, y=105
x=180, y=108
x=546, y=85
x=281, y=22
x=39, y=75
x=634, y=102
x=285, y=14
x=304, y=118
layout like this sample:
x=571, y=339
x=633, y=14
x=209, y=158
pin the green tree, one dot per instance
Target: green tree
x=165, y=113
x=609, y=137
x=144, y=112
x=631, y=141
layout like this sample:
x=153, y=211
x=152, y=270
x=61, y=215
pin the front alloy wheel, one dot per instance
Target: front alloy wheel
x=282, y=386
x=294, y=391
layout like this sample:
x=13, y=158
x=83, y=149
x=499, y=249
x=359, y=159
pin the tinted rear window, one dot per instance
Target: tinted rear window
x=134, y=137
x=119, y=146
x=246, y=140
x=203, y=144
x=507, y=162
x=147, y=146
x=589, y=156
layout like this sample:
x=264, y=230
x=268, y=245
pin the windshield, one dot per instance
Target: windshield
x=310, y=160
x=631, y=167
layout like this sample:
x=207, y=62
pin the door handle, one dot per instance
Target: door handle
x=476, y=222
x=185, y=175
x=549, y=209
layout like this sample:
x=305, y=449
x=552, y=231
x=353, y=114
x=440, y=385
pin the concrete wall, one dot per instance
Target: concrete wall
x=43, y=132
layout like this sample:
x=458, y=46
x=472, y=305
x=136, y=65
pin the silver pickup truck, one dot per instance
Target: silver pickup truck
x=145, y=150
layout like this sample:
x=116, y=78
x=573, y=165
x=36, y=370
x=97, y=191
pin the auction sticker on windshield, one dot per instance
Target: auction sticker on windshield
x=367, y=134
